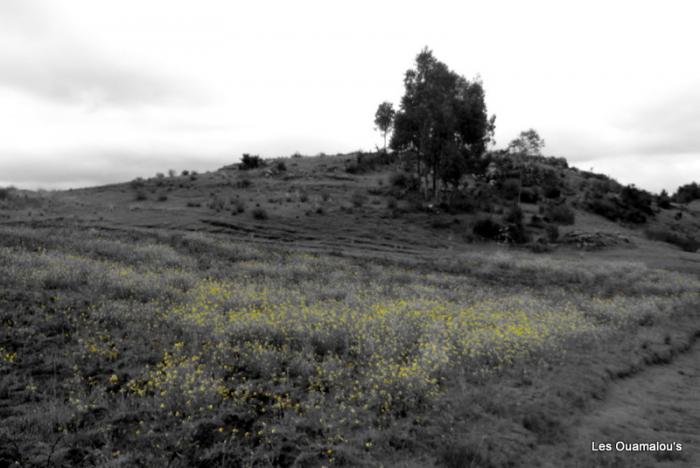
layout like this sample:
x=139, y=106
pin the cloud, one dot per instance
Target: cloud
x=39, y=58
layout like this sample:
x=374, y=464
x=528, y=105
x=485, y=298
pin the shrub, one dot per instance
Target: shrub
x=514, y=215
x=687, y=193
x=4, y=193
x=561, y=214
x=244, y=183
x=303, y=196
x=162, y=197
x=171, y=172
x=636, y=200
x=193, y=204
x=137, y=183
x=511, y=188
x=160, y=175
x=663, y=201
x=259, y=213
x=281, y=166
x=250, y=162
x=514, y=233
x=238, y=206
x=401, y=180
x=552, y=231
x=325, y=196
x=683, y=241
x=552, y=191
x=185, y=173
x=528, y=195
x=487, y=228
x=216, y=203
x=141, y=195
x=391, y=203
x=367, y=162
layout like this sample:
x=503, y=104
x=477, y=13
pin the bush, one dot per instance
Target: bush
x=367, y=162
x=216, y=203
x=552, y=231
x=663, y=201
x=185, y=173
x=5, y=193
x=685, y=242
x=141, y=195
x=259, y=213
x=137, y=183
x=551, y=192
x=162, y=197
x=528, y=195
x=243, y=183
x=487, y=228
x=687, y=193
x=238, y=206
x=514, y=215
x=250, y=162
x=281, y=166
x=514, y=233
x=561, y=214
x=511, y=188
x=401, y=180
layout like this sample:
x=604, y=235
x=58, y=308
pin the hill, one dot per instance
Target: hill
x=317, y=311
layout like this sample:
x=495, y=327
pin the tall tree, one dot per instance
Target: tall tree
x=384, y=118
x=528, y=143
x=443, y=119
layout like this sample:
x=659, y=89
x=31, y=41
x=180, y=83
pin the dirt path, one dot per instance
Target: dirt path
x=660, y=404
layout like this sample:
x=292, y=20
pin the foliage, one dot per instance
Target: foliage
x=528, y=143
x=442, y=117
x=663, y=234
x=384, y=118
x=687, y=193
x=368, y=162
x=250, y=162
x=487, y=228
x=663, y=201
x=560, y=213
x=259, y=213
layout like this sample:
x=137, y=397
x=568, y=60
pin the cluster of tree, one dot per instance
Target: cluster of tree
x=442, y=120
x=687, y=193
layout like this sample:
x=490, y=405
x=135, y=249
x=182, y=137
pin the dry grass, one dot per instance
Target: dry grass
x=190, y=351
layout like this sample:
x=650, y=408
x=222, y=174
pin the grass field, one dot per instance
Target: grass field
x=130, y=349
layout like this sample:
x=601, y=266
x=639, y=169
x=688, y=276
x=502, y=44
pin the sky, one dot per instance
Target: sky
x=96, y=91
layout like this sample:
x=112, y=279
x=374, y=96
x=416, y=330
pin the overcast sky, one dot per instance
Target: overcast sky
x=96, y=91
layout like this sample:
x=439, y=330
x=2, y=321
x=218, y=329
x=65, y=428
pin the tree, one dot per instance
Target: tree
x=384, y=118
x=528, y=143
x=443, y=119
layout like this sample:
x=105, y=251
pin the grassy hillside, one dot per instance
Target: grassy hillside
x=309, y=316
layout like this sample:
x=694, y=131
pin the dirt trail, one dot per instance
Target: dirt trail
x=660, y=404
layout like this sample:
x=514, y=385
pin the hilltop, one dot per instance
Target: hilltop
x=366, y=204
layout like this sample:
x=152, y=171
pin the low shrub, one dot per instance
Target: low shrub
x=281, y=166
x=687, y=243
x=552, y=231
x=250, y=162
x=141, y=195
x=259, y=213
x=162, y=197
x=561, y=214
x=529, y=195
x=238, y=206
x=511, y=188
x=487, y=228
x=243, y=183
x=514, y=215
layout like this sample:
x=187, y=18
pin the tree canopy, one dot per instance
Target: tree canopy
x=528, y=143
x=443, y=119
x=384, y=118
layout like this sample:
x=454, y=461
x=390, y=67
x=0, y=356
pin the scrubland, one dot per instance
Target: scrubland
x=124, y=349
